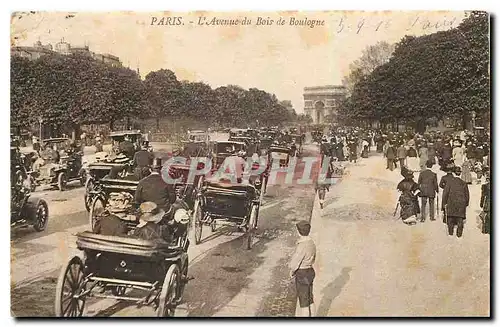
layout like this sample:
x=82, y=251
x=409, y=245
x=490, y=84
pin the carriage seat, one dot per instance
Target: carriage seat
x=221, y=187
x=124, y=245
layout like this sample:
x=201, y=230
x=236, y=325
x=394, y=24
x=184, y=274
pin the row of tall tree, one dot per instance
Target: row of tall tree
x=443, y=74
x=68, y=91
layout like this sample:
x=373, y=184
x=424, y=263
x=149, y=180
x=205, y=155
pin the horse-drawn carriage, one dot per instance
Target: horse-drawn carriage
x=221, y=203
x=279, y=153
x=224, y=149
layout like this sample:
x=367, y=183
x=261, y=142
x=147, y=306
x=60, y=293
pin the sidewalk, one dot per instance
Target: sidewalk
x=371, y=264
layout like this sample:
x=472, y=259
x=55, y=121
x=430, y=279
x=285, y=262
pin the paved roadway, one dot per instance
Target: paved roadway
x=228, y=279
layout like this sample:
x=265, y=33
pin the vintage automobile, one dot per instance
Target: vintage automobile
x=252, y=144
x=221, y=203
x=27, y=210
x=198, y=136
x=185, y=189
x=65, y=167
x=112, y=265
x=223, y=149
x=264, y=145
x=280, y=153
x=195, y=149
x=135, y=136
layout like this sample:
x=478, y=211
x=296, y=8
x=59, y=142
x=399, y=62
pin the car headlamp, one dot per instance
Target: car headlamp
x=181, y=216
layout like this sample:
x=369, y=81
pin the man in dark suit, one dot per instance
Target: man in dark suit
x=448, y=169
x=455, y=202
x=143, y=159
x=154, y=189
x=126, y=147
x=427, y=183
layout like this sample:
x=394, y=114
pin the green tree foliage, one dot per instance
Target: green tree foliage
x=436, y=75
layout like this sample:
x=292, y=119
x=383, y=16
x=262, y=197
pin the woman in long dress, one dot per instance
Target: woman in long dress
x=412, y=159
x=408, y=200
x=466, y=175
x=458, y=153
x=423, y=153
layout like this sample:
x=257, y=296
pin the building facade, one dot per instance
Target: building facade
x=64, y=48
x=322, y=101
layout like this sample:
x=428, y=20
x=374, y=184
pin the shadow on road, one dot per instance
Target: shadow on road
x=332, y=290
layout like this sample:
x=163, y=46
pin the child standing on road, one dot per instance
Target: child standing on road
x=301, y=268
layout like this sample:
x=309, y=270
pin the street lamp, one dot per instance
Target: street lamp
x=40, y=120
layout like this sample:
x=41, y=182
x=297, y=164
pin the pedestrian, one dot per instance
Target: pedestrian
x=301, y=268
x=466, y=171
x=427, y=183
x=423, y=154
x=455, y=202
x=432, y=152
x=390, y=154
x=401, y=155
x=83, y=139
x=412, y=159
x=458, y=153
x=408, y=199
x=485, y=205
x=36, y=144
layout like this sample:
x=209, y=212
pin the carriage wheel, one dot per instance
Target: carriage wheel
x=252, y=223
x=262, y=189
x=62, y=181
x=41, y=216
x=69, y=284
x=89, y=186
x=197, y=221
x=183, y=279
x=83, y=177
x=169, y=290
x=96, y=209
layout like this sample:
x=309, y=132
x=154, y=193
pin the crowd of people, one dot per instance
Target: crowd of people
x=461, y=155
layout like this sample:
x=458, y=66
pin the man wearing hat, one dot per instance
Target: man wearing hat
x=126, y=147
x=455, y=202
x=301, y=268
x=149, y=227
x=154, y=189
x=143, y=159
x=113, y=223
x=448, y=169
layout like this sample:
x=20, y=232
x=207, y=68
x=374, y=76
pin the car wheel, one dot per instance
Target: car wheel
x=41, y=216
x=62, y=181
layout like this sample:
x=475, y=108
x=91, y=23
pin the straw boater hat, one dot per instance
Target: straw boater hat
x=150, y=213
x=121, y=158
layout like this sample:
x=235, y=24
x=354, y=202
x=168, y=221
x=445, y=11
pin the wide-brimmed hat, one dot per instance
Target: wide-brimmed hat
x=150, y=212
x=121, y=158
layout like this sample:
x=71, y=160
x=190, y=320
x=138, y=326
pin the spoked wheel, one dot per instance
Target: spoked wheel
x=169, y=292
x=96, y=210
x=252, y=223
x=182, y=281
x=89, y=186
x=197, y=221
x=69, y=285
x=41, y=216
x=62, y=181
x=83, y=177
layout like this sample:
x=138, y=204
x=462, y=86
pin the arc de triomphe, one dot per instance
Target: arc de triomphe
x=322, y=101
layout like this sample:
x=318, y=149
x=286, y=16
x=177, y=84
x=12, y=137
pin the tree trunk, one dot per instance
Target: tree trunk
x=111, y=125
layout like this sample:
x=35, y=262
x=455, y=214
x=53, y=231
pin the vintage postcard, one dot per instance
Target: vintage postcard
x=250, y=164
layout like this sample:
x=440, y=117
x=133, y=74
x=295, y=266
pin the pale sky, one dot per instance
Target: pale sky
x=279, y=59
